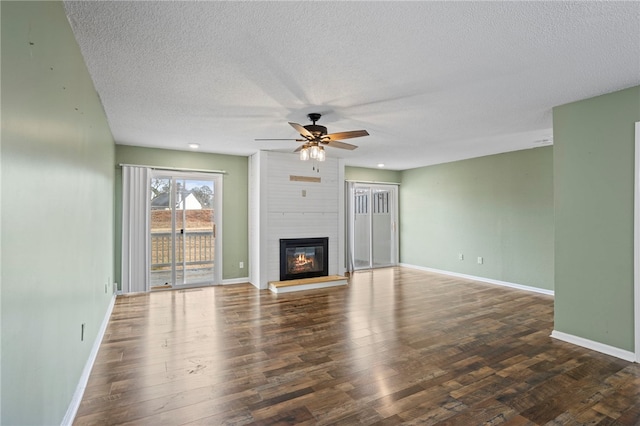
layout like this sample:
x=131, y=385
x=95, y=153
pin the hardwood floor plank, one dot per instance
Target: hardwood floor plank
x=394, y=346
x=438, y=406
x=488, y=412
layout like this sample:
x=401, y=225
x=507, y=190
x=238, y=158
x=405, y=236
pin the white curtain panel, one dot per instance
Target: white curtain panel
x=350, y=194
x=135, y=218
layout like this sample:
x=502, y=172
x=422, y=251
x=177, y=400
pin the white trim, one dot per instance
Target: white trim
x=341, y=219
x=395, y=226
x=482, y=279
x=72, y=410
x=243, y=280
x=594, y=346
x=636, y=245
x=313, y=286
x=262, y=212
x=349, y=232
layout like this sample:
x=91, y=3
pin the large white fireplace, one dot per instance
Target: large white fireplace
x=289, y=200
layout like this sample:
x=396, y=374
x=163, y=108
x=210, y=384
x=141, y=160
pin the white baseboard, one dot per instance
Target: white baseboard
x=243, y=280
x=481, y=279
x=594, y=346
x=70, y=415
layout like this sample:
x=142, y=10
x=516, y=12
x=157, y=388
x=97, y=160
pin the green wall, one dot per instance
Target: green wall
x=235, y=208
x=364, y=174
x=499, y=207
x=57, y=213
x=594, y=192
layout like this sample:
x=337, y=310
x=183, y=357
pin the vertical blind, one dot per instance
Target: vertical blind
x=135, y=218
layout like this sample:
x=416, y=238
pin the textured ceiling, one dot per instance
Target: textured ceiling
x=432, y=82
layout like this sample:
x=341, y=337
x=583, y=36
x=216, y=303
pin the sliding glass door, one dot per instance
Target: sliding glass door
x=373, y=225
x=184, y=223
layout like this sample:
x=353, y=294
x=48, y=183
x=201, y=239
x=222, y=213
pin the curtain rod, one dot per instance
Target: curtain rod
x=175, y=169
x=372, y=181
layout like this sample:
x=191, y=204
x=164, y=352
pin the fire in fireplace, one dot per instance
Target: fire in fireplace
x=304, y=258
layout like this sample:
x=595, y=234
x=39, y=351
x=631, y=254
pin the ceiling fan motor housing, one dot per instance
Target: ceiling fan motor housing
x=316, y=130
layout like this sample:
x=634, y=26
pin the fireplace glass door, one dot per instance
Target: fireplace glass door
x=373, y=226
x=303, y=258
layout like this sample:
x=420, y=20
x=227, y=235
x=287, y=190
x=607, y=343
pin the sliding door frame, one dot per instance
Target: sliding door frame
x=636, y=253
x=217, y=179
x=392, y=188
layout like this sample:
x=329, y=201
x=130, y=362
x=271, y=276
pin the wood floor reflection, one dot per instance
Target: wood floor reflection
x=394, y=346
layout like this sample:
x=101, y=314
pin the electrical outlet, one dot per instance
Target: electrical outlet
x=480, y=260
x=241, y=265
x=460, y=256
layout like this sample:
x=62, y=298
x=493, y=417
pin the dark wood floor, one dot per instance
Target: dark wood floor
x=394, y=346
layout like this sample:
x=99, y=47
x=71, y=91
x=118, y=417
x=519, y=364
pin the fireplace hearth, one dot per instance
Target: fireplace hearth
x=304, y=258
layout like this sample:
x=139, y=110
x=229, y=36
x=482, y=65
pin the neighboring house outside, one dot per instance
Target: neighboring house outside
x=188, y=202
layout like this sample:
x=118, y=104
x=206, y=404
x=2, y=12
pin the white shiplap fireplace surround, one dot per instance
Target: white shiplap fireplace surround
x=283, y=203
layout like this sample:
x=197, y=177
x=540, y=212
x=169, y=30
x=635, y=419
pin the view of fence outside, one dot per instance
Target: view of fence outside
x=194, y=246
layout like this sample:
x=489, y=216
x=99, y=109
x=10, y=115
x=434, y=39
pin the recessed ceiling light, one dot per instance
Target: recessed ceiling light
x=381, y=165
x=194, y=145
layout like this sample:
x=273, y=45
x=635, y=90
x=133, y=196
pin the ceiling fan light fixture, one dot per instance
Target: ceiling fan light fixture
x=313, y=151
x=322, y=155
x=304, y=154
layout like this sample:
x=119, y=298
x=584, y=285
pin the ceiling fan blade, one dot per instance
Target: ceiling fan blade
x=297, y=140
x=300, y=129
x=345, y=135
x=341, y=145
x=298, y=149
